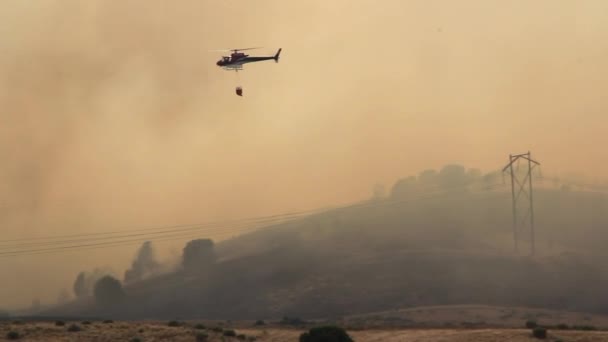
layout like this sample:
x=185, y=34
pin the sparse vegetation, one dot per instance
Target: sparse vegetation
x=199, y=326
x=230, y=333
x=74, y=328
x=259, y=322
x=217, y=329
x=328, y=333
x=174, y=324
x=563, y=326
x=59, y=323
x=86, y=322
x=539, y=332
x=13, y=335
x=108, y=321
x=135, y=339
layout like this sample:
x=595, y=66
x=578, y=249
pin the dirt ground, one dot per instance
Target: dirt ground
x=147, y=332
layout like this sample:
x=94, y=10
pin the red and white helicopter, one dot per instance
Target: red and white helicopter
x=236, y=59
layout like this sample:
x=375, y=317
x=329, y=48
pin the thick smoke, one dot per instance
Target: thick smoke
x=114, y=115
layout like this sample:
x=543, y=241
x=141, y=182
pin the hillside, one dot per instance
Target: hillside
x=414, y=248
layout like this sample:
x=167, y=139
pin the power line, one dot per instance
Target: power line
x=254, y=224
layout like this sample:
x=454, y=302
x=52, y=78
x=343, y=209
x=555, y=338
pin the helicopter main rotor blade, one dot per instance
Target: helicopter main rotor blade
x=246, y=49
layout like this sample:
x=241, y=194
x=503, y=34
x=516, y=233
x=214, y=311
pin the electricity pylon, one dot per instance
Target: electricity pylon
x=523, y=186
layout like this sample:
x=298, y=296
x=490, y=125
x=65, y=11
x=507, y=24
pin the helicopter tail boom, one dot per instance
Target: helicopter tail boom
x=276, y=57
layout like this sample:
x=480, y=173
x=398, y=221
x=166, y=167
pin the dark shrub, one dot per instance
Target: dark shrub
x=174, y=324
x=108, y=321
x=59, y=323
x=563, y=326
x=13, y=335
x=531, y=324
x=241, y=337
x=74, y=328
x=86, y=322
x=217, y=329
x=539, y=332
x=202, y=337
x=260, y=322
x=230, y=333
x=199, y=327
x=326, y=334
x=135, y=339
x=108, y=290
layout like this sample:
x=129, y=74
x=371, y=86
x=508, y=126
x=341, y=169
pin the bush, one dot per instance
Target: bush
x=174, y=324
x=86, y=322
x=13, y=335
x=326, y=334
x=563, y=326
x=539, y=332
x=230, y=333
x=241, y=337
x=135, y=339
x=199, y=327
x=531, y=324
x=108, y=321
x=74, y=328
x=59, y=323
x=260, y=322
x=108, y=290
x=217, y=329
x=202, y=337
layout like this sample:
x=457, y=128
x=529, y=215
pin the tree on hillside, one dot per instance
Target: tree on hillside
x=143, y=264
x=428, y=178
x=198, y=254
x=453, y=177
x=108, y=290
x=404, y=187
x=79, y=287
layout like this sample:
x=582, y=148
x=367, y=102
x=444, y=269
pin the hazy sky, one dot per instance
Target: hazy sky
x=114, y=114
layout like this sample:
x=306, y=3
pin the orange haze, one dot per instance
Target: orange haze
x=114, y=114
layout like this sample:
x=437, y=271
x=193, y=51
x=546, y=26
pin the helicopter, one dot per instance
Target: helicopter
x=236, y=59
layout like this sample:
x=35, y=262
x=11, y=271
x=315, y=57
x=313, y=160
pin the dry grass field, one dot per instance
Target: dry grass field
x=147, y=332
x=440, y=323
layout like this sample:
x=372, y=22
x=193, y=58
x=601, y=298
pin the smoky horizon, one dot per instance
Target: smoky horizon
x=115, y=116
